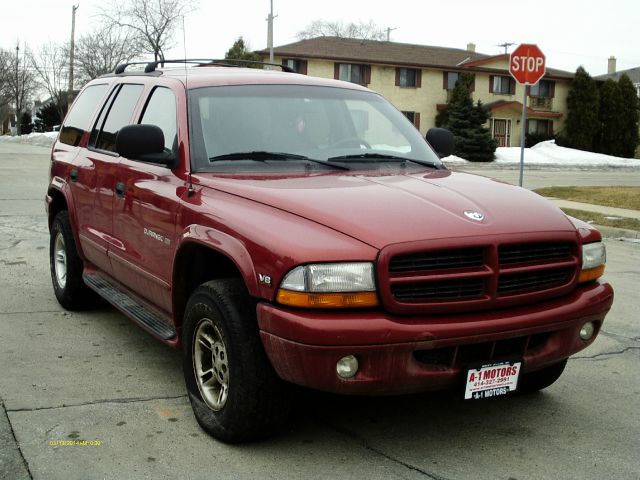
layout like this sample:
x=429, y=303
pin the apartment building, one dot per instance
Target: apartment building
x=418, y=80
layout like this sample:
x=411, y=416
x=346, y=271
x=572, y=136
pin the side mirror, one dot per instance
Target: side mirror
x=442, y=141
x=144, y=143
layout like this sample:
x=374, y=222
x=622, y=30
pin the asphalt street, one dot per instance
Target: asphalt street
x=88, y=395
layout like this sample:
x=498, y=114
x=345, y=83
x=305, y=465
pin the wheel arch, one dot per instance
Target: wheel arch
x=57, y=202
x=197, y=261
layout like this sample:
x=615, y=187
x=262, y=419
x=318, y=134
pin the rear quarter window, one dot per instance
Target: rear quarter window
x=79, y=117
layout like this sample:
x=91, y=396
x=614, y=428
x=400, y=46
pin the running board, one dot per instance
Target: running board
x=140, y=313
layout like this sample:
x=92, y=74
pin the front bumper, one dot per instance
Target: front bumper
x=411, y=354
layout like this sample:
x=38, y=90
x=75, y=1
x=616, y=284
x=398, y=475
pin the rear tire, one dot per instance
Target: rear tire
x=66, y=267
x=234, y=392
x=541, y=379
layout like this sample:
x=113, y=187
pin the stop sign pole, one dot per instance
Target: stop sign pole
x=527, y=65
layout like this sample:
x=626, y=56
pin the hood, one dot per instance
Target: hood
x=380, y=209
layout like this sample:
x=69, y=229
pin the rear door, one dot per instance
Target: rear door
x=101, y=157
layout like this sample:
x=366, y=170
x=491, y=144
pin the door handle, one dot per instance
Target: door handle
x=120, y=189
x=74, y=175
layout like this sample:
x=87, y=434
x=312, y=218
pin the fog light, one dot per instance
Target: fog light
x=347, y=366
x=586, y=332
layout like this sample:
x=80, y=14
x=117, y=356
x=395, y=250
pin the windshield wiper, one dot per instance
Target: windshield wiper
x=383, y=158
x=263, y=156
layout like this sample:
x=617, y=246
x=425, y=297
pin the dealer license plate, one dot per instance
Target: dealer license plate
x=492, y=380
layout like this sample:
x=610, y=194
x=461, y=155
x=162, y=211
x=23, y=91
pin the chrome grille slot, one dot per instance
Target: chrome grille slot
x=538, y=253
x=532, y=281
x=439, y=291
x=439, y=260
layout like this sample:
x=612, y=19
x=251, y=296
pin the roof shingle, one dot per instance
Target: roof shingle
x=390, y=53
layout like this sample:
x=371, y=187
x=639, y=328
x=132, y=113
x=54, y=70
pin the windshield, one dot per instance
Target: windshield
x=296, y=127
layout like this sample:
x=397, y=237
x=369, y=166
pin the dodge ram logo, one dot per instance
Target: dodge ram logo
x=477, y=216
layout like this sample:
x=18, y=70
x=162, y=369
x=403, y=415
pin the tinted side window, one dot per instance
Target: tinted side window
x=161, y=111
x=103, y=113
x=77, y=121
x=118, y=116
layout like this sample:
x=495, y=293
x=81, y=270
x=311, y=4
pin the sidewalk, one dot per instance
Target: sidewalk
x=604, y=210
x=588, y=207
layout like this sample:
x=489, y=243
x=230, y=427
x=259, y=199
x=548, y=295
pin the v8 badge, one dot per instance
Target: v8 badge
x=264, y=279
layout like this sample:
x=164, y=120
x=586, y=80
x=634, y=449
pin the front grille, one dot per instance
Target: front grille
x=511, y=284
x=441, y=291
x=487, y=273
x=539, y=253
x=463, y=355
x=461, y=258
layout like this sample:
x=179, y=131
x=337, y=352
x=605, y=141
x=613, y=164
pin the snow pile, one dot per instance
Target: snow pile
x=39, y=139
x=544, y=153
x=548, y=153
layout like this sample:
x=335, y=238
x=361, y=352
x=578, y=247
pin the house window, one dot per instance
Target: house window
x=540, y=127
x=543, y=89
x=296, y=64
x=502, y=85
x=408, y=77
x=450, y=80
x=354, y=73
x=414, y=117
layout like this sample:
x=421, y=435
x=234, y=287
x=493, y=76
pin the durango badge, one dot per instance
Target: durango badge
x=477, y=216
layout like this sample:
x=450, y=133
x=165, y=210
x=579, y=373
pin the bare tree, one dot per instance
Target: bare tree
x=102, y=51
x=326, y=28
x=151, y=23
x=52, y=67
x=5, y=62
x=19, y=82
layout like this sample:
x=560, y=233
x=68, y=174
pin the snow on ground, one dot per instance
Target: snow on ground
x=548, y=153
x=39, y=139
x=544, y=153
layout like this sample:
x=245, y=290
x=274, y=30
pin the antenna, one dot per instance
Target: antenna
x=505, y=45
x=190, y=190
x=389, y=30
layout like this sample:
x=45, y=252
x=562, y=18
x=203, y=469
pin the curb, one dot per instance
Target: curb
x=618, y=233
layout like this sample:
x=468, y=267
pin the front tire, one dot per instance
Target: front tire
x=66, y=267
x=234, y=392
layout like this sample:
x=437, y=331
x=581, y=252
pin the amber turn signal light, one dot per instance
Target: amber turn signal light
x=591, y=274
x=327, y=300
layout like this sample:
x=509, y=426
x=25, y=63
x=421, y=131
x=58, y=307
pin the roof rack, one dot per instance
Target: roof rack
x=201, y=62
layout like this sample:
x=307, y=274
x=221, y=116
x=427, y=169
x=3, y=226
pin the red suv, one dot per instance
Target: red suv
x=285, y=229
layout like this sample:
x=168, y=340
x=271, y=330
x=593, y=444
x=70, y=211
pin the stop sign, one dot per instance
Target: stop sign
x=527, y=64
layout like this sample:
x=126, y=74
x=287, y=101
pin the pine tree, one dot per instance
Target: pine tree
x=466, y=121
x=629, y=116
x=240, y=51
x=582, y=124
x=609, y=139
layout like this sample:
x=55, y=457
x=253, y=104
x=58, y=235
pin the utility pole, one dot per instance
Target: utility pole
x=72, y=52
x=506, y=46
x=270, y=32
x=17, y=91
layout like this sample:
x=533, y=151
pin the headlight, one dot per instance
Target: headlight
x=329, y=285
x=594, y=257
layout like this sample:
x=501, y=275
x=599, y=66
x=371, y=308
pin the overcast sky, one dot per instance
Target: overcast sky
x=569, y=32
